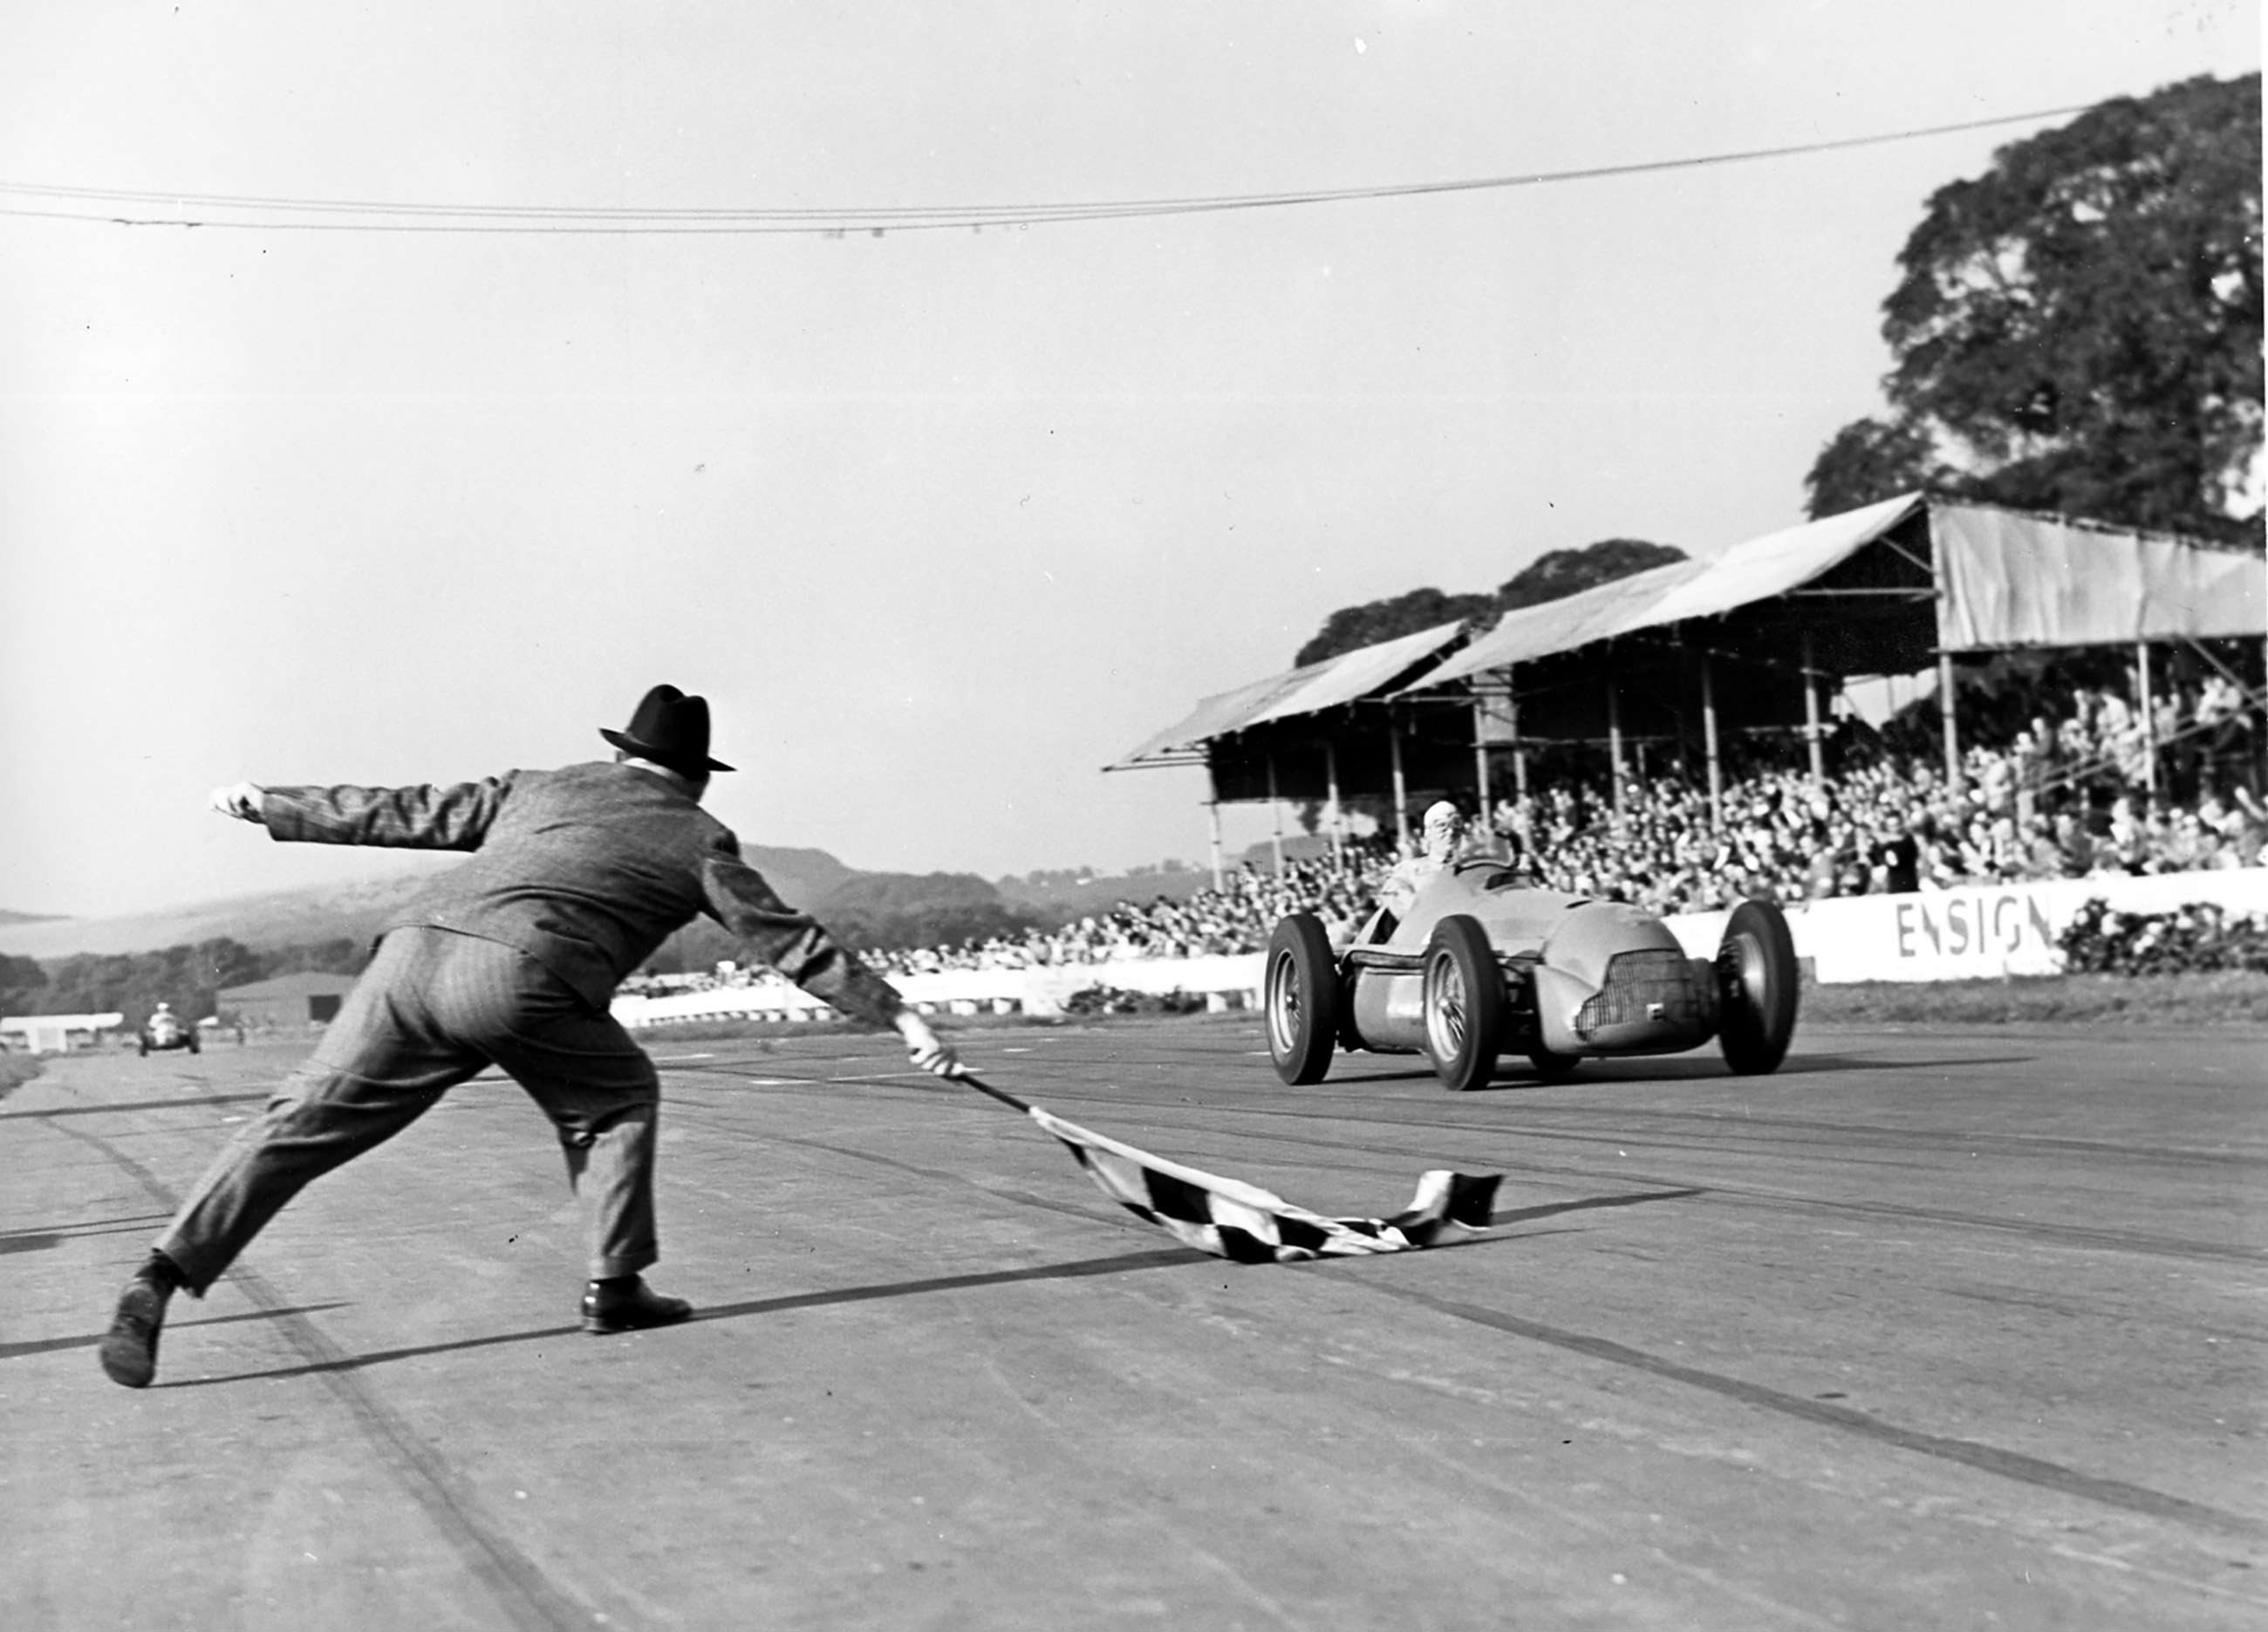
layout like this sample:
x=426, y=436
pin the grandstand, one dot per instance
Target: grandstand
x=1673, y=739
x=1669, y=738
x=1691, y=662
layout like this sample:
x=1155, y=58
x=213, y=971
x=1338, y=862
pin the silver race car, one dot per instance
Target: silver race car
x=1481, y=964
x=166, y=1030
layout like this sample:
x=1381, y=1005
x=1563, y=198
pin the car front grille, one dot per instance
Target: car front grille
x=1651, y=985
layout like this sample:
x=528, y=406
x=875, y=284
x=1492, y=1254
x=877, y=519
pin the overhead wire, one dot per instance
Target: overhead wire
x=153, y=207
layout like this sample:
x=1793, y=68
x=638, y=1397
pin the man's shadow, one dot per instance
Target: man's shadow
x=1120, y=1263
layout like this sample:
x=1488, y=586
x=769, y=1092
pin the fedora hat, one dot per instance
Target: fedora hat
x=670, y=729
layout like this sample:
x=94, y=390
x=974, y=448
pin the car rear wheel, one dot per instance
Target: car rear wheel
x=1757, y=981
x=1463, y=1003
x=1302, y=999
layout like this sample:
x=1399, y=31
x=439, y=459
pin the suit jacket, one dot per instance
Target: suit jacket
x=586, y=868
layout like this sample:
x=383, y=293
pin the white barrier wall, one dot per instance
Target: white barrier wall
x=1975, y=931
x=1035, y=991
x=1952, y=935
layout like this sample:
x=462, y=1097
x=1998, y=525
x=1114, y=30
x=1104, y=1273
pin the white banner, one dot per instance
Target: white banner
x=1977, y=930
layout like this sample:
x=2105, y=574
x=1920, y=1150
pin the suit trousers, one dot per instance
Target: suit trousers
x=434, y=1008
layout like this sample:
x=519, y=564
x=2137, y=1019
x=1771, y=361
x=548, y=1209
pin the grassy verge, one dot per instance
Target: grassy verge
x=16, y=1069
x=2231, y=997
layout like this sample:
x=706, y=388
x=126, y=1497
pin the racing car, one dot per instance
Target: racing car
x=165, y=1029
x=1481, y=963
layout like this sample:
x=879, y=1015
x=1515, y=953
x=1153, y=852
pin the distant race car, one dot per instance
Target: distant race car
x=167, y=1029
x=1482, y=963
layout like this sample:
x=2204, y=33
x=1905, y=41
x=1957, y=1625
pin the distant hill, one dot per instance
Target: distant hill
x=1056, y=899
x=7, y=917
x=326, y=912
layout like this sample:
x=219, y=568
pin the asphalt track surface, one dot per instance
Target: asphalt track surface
x=1934, y=1328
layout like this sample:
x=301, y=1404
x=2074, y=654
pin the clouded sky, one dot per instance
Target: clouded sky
x=941, y=522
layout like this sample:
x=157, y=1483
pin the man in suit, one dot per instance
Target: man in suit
x=510, y=959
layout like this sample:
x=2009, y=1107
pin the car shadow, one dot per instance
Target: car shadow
x=1513, y=1077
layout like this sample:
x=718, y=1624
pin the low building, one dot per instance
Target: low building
x=57, y=1034
x=287, y=1002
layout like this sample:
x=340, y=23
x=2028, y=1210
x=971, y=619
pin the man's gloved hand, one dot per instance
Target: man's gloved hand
x=927, y=1049
x=239, y=799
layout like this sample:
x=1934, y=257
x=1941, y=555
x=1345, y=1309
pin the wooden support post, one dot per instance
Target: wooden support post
x=1212, y=810
x=1481, y=764
x=2144, y=707
x=1946, y=708
x=1812, y=733
x=1615, y=741
x=1945, y=711
x=1335, y=816
x=1518, y=755
x=1401, y=787
x=1275, y=809
x=1709, y=742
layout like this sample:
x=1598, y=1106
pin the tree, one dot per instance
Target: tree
x=2079, y=329
x=1548, y=576
x=22, y=985
x=1351, y=628
x=1561, y=572
x=1871, y=459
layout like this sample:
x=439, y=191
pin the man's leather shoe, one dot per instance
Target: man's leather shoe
x=627, y=1305
x=129, y=1349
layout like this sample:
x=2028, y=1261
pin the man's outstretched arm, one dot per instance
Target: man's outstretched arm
x=800, y=947
x=454, y=817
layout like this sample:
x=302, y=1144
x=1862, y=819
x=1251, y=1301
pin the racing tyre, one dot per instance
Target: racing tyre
x=1302, y=999
x=1756, y=988
x=1463, y=1003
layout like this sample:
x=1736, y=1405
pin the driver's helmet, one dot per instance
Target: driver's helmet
x=1444, y=828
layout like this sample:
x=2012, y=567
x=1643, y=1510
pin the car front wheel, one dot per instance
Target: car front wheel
x=1756, y=979
x=1302, y=999
x=1463, y=1003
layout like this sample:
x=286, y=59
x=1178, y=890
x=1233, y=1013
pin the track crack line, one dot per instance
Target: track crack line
x=2004, y=1464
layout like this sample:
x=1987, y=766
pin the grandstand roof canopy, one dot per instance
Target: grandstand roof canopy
x=1755, y=570
x=1875, y=590
x=1346, y=678
x=2011, y=580
x=2016, y=580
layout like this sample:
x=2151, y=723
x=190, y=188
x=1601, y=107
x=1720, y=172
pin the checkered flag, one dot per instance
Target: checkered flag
x=1235, y=1220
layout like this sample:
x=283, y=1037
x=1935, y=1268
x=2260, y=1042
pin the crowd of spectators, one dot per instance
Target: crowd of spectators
x=2199, y=937
x=1888, y=827
x=1238, y=917
x=2056, y=783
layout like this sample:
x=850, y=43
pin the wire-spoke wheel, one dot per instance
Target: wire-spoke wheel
x=1463, y=1003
